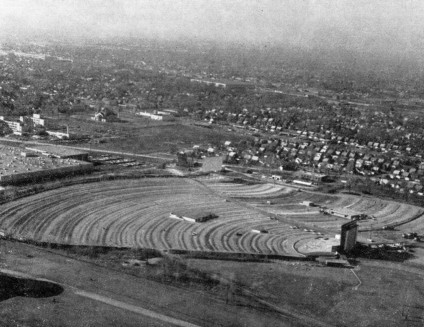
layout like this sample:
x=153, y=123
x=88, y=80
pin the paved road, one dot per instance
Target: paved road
x=121, y=153
x=133, y=308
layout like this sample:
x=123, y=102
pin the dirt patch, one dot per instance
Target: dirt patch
x=154, y=261
x=317, y=245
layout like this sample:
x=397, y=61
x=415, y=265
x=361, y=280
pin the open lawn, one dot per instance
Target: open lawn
x=140, y=135
x=386, y=294
x=95, y=295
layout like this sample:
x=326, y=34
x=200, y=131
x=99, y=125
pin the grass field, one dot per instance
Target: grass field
x=385, y=295
x=78, y=276
x=140, y=135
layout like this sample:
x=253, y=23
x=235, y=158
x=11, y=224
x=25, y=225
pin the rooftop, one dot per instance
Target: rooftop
x=59, y=151
x=345, y=211
x=308, y=173
x=193, y=213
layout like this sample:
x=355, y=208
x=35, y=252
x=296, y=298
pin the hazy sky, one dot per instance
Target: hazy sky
x=391, y=24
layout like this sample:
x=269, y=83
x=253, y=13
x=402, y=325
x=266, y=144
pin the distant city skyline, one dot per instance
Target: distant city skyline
x=361, y=25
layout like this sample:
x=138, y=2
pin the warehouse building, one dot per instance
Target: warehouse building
x=59, y=152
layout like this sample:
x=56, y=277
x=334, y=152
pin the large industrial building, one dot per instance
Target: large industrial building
x=58, y=152
x=17, y=166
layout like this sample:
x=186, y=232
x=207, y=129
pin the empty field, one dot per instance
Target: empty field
x=140, y=135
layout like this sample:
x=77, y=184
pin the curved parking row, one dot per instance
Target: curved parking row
x=136, y=214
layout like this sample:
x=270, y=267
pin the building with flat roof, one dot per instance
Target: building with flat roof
x=59, y=134
x=18, y=126
x=313, y=177
x=37, y=119
x=345, y=213
x=193, y=216
x=25, y=124
x=225, y=84
x=17, y=166
x=157, y=115
x=59, y=152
